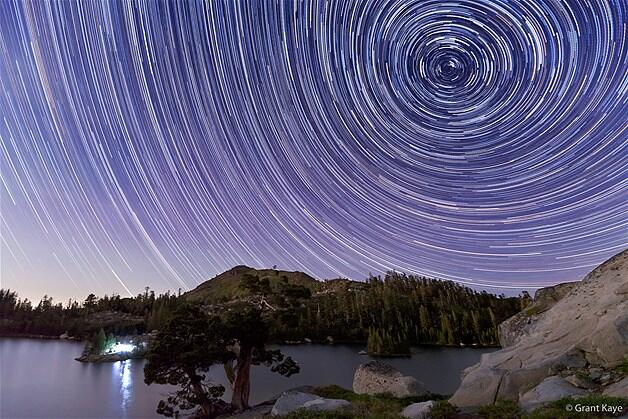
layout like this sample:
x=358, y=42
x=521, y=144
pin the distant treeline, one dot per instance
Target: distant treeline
x=391, y=313
x=116, y=315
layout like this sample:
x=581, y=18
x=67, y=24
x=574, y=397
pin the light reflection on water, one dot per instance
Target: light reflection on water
x=121, y=372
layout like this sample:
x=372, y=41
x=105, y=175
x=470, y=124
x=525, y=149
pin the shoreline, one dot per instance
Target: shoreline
x=363, y=342
x=114, y=357
x=40, y=337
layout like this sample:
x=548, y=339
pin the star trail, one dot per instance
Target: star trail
x=151, y=143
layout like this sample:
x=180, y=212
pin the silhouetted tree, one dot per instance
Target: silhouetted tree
x=90, y=303
x=100, y=340
x=248, y=329
x=189, y=343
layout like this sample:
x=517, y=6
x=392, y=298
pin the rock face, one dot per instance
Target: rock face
x=552, y=388
x=376, y=377
x=586, y=328
x=519, y=325
x=418, y=410
x=618, y=389
x=294, y=400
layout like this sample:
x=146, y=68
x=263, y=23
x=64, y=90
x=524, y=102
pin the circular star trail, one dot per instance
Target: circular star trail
x=159, y=143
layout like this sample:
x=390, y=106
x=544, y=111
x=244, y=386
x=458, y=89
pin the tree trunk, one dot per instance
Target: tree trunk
x=230, y=372
x=242, y=383
x=205, y=405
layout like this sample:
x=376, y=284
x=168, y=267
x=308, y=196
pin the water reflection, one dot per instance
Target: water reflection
x=122, y=374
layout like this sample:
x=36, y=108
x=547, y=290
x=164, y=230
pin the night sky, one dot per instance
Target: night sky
x=157, y=144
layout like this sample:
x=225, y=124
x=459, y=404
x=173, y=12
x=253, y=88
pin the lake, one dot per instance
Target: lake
x=41, y=379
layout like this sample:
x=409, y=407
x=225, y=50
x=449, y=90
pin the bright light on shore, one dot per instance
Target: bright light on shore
x=123, y=347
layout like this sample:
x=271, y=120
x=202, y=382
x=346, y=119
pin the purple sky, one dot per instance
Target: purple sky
x=158, y=144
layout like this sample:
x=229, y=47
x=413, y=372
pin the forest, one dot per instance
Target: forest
x=390, y=313
x=403, y=310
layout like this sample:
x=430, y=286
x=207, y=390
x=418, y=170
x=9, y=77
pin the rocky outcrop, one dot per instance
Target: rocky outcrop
x=418, y=410
x=522, y=323
x=291, y=401
x=584, y=329
x=376, y=377
x=552, y=388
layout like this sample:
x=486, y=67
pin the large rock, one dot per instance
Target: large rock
x=618, y=389
x=478, y=377
x=323, y=404
x=418, y=410
x=291, y=401
x=550, y=389
x=376, y=377
x=586, y=327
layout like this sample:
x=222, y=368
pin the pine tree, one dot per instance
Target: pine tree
x=100, y=340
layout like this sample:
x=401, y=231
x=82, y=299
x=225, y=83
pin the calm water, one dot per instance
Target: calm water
x=41, y=379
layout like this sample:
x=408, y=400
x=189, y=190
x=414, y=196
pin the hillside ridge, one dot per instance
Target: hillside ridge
x=226, y=286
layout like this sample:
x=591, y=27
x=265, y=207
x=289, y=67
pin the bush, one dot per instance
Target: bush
x=502, y=409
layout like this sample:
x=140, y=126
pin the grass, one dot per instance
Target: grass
x=387, y=407
x=566, y=408
x=623, y=367
x=362, y=405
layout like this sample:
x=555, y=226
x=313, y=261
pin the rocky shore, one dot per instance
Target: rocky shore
x=110, y=357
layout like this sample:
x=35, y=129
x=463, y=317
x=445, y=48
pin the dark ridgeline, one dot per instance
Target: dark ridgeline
x=392, y=312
